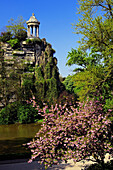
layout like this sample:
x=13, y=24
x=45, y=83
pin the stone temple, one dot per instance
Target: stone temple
x=33, y=50
x=33, y=27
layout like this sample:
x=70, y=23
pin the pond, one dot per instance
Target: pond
x=13, y=136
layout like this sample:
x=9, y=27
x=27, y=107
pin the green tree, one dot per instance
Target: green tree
x=5, y=36
x=69, y=84
x=95, y=67
x=83, y=59
x=17, y=27
x=96, y=26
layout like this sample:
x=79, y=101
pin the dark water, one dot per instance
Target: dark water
x=12, y=138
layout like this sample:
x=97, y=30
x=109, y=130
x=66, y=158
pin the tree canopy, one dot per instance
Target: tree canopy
x=94, y=56
x=16, y=26
x=96, y=25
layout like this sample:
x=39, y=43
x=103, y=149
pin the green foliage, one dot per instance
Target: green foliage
x=8, y=115
x=5, y=36
x=95, y=26
x=47, y=90
x=21, y=35
x=55, y=73
x=16, y=32
x=16, y=27
x=69, y=84
x=28, y=41
x=40, y=90
x=29, y=68
x=14, y=43
x=19, y=112
x=51, y=89
x=47, y=72
x=89, y=81
x=76, y=57
x=94, y=72
x=27, y=114
x=109, y=103
x=34, y=41
x=39, y=73
x=82, y=59
x=28, y=85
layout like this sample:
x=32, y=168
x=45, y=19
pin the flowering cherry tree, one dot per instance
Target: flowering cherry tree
x=73, y=133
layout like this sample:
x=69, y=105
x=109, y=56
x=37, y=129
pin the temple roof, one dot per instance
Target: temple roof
x=33, y=20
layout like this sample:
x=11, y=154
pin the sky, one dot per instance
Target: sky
x=55, y=17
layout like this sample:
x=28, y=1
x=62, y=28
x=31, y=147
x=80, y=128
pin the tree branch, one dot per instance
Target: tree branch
x=110, y=9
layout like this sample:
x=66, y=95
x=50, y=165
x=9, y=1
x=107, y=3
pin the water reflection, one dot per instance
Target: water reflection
x=8, y=132
x=13, y=136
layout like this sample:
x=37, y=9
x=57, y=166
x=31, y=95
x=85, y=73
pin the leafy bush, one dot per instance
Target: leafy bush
x=69, y=84
x=19, y=112
x=71, y=133
x=34, y=41
x=28, y=41
x=21, y=35
x=5, y=36
x=8, y=115
x=27, y=114
x=14, y=43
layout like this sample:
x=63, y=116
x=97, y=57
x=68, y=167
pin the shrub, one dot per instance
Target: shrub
x=71, y=133
x=19, y=112
x=5, y=36
x=14, y=43
x=21, y=35
x=27, y=114
x=34, y=41
x=8, y=115
x=28, y=41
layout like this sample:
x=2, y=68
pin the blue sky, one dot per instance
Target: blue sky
x=55, y=16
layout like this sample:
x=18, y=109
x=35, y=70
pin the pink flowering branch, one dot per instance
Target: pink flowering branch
x=71, y=133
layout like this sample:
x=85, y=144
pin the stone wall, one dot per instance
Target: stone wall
x=36, y=53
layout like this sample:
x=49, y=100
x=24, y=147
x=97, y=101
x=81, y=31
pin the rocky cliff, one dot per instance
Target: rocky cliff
x=35, y=65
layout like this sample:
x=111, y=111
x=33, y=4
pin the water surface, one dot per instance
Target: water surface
x=12, y=138
x=8, y=132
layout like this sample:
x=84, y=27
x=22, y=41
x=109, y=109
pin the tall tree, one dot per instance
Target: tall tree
x=16, y=27
x=96, y=25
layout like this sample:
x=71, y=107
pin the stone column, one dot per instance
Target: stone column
x=28, y=31
x=34, y=35
x=37, y=32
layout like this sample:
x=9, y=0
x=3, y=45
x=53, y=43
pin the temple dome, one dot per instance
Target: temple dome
x=33, y=20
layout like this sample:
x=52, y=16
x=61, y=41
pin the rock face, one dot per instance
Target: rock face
x=37, y=54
